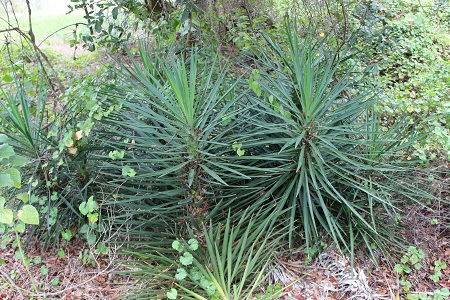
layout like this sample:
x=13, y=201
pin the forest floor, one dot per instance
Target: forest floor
x=82, y=274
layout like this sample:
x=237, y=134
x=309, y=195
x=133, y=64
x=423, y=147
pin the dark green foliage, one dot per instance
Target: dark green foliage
x=330, y=164
x=290, y=152
x=188, y=144
x=172, y=137
x=57, y=178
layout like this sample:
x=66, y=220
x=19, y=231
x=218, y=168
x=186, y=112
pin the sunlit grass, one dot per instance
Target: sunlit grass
x=50, y=19
x=56, y=26
x=60, y=26
x=54, y=29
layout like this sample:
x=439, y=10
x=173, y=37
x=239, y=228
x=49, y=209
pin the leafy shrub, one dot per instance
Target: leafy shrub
x=406, y=44
x=55, y=140
x=10, y=178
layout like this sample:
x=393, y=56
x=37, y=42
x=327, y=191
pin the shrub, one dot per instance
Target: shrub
x=405, y=45
x=56, y=142
x=319, y=142
x=165, y=153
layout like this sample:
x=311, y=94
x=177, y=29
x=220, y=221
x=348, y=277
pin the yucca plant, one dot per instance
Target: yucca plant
x=225, y=261
x=165, y=153
x=237, y=256
x=23, y=119
x=170, y=158
x=325, y=157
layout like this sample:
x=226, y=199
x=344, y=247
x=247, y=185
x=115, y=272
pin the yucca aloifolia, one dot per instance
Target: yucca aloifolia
x=175, y=129
x=319, y=142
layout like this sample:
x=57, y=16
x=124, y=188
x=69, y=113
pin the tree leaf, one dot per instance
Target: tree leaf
x=29, y=215
x=185, y=14
x=115, y=12
x=6, y=215
x=98, y=25
x=17, y=160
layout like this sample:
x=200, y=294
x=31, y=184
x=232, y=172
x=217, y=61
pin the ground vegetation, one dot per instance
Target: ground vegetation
x=225, y=150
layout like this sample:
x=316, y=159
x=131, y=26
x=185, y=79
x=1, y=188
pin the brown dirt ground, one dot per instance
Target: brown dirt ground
x=328, y=277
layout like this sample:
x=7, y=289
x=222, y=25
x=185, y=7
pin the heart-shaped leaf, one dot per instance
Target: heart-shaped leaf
x=29, y=215
x=92, y=217
x=177, y=246
x=91, y=238
x=3, y=138
x=6, y=215
x=186, y=259
x=15, y=177
x=23, y=197
x=128, y=171
x=193, y=244
x=172, y=294
x=6, y=151
x=5, y=180
x=20, y=227
x=17, y=160
x=195, y=273
x=67, y=235
x=181, y=274
x=89, y=206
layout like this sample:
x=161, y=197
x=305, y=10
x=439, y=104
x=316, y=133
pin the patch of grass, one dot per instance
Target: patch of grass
x=55, y=23
x=45, y=25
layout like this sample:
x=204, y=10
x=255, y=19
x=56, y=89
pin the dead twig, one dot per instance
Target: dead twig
x=6, y=276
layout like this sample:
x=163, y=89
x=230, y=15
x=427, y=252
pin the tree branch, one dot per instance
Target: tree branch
x=30, y=32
